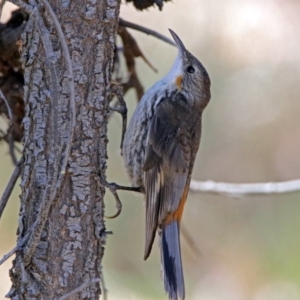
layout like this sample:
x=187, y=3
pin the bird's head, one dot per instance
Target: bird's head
x=189, y=75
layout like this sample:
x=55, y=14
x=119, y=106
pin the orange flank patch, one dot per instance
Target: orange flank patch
x=178, y=82
x=176, y=215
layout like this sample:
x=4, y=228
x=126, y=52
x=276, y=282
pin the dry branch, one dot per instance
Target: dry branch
x=130, y=48
x=146, y=31
x=18, y=247
x=245, y=189
x=54, y=154
x=10, y=186
x=80, y=288
x=9, y=135
x=7, y=105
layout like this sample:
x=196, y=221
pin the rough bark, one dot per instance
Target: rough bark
x=71, y=243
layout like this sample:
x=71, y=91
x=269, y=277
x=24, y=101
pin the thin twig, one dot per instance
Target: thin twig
x=146, y=30
x=10, y=129
x=80, y=288
x=8, y=255
x=190, y=241
x=10, y=186
x=18, y=247
x=11, y=145
x=10, y=115
x=103, y=287
x=51, y=64
x=243, y=189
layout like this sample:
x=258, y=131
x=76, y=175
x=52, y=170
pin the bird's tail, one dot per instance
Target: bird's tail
x=171, y=261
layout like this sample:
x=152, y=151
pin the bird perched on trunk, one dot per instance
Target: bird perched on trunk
x=159, y=150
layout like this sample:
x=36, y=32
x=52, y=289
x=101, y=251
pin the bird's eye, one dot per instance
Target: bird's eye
x=190, y=69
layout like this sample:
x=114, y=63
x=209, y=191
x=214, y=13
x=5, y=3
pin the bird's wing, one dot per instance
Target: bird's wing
x=167, y=163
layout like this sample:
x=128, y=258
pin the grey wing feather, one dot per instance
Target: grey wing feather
x=166, y=166
x=152, y=179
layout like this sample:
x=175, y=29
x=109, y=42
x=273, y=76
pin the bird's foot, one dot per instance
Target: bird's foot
x=113, y=187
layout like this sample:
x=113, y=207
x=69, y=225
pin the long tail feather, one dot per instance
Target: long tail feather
x=171, y=261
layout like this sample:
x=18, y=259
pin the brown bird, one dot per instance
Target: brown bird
x=159, y=150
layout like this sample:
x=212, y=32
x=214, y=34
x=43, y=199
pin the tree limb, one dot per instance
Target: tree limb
x=18, y=247
x=10, y=132
x=56, y=177
x=54, y=153
x=79, y=289
x=67, y=56
x=245, y=189
x=9, y=188
x=7, y=105
x=146, y=30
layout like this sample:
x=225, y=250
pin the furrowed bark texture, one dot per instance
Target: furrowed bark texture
x=70, y=247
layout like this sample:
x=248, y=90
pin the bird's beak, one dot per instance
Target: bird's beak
x=176, y=72
x=178, y=42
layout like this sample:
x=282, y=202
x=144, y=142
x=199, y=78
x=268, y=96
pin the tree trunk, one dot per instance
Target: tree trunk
x=61, y=204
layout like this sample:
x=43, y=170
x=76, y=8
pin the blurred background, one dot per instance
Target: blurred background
x=250, y=247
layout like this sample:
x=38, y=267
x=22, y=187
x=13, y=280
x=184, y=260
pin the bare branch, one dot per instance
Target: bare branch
x=51, y=64
x=9, y=188
x=80, y=288
x=245, y=189
x=189, y=240
x=11, y=145
x=10, y=130
x=7, y=105
x=54, y=153
x=18, y=247
x=8, y=255
x=146, y=30
x=67, y=57
x=103, y=287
